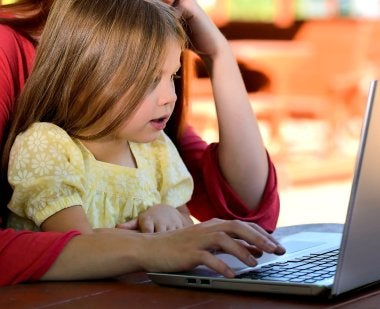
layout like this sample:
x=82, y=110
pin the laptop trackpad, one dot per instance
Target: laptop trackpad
x=293, y=244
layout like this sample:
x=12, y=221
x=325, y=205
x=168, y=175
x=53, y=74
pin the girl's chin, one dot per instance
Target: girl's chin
x=146, y=139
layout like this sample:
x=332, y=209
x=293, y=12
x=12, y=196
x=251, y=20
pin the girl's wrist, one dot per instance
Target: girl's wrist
x=221, y=53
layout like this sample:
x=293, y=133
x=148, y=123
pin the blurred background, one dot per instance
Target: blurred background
x=307, y=65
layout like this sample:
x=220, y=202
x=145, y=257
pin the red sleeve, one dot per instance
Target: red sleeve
x=213, y=197
x=16, y=57
x=26, y=255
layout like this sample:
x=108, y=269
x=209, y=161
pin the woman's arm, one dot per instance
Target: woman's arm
x=118, y=252
x=242, y=156
x=26, y=255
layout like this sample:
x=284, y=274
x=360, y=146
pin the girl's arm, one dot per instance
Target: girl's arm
x=72, y=218
x=213, y=196
x=159, y=218
x=242, y=156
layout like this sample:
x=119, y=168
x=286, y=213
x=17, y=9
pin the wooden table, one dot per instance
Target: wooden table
x=137, y=291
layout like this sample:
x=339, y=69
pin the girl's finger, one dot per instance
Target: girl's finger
x=130, y=225
x=251, y=233
x=146, y=226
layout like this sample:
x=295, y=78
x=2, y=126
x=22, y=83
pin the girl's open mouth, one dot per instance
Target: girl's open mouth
x=159, y=123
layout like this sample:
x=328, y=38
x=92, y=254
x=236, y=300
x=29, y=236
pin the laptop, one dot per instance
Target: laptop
x=352, y=256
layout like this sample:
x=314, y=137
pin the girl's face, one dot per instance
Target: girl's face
x=157, y=106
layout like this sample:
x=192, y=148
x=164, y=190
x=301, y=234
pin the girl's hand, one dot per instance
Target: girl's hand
x=159, y=218
x=205, y=37
x=248, y=171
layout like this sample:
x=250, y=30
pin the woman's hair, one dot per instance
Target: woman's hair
x=91, y=53
x=26, y=16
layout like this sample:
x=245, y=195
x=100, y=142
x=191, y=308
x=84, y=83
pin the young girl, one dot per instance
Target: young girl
x=28, y=256
x=90, y=151
x=229, y=182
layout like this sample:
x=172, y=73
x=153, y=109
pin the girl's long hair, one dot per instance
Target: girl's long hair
x=91, y=53
x=29, y=18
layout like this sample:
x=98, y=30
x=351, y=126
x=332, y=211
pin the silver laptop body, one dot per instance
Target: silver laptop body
x=358, y=262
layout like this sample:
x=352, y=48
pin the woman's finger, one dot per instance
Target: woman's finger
x=214, y=263
x=281, y=249
x=248, y=232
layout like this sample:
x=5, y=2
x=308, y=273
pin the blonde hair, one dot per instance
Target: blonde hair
x=91, y=53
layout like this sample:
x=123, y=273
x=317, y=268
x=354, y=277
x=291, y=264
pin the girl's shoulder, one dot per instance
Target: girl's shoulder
x=46, y=142
x=45, y=128
x=41, y=133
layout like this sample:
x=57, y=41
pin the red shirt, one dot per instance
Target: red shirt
x=16, y=58
x=213, y=197
x=26, y=255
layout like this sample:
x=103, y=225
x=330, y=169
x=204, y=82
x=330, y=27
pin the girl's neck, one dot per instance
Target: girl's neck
x=111, y=151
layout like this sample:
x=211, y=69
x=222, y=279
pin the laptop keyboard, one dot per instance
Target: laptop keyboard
x=307, y=269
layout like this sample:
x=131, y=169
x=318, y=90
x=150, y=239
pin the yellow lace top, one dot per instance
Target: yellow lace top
x=50, y=171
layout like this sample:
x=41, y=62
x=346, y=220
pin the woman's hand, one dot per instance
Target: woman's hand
x=115, y=252
x=184, y=249
x=159, y=218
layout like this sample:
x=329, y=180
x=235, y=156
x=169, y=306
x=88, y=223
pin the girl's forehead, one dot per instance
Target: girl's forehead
x=172, y=55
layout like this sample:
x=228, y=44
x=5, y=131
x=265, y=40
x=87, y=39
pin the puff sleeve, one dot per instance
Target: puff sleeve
x=46, y=172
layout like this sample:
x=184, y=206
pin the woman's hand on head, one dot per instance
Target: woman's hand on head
x=159, y=218
x=195, y=245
